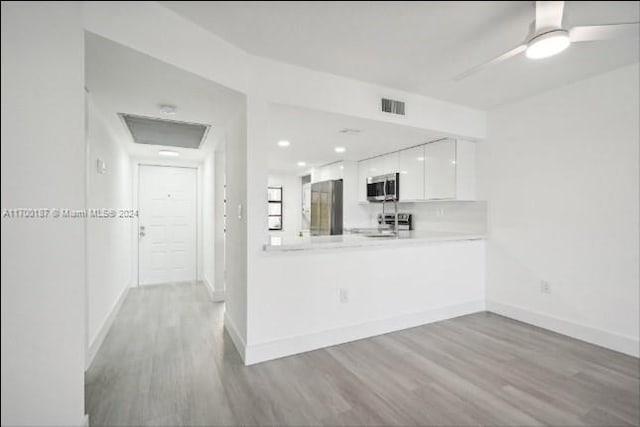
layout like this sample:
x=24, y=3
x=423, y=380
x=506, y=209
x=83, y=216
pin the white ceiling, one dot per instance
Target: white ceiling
x=314, y=135
x=122, y=80
x=419, y=46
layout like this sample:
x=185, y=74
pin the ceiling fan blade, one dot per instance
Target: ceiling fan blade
x=513, y=52
x=604, y=32
x=549, y=15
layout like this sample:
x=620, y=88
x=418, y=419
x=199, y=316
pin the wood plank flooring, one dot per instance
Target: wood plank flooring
x=167, y=361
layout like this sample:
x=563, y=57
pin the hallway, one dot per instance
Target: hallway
x=167, y=361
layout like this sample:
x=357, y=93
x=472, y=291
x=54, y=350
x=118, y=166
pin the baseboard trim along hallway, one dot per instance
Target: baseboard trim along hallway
x=263, y=352
x=237, y=339
x=610, y=340
x=216, y=296
x=104, y=329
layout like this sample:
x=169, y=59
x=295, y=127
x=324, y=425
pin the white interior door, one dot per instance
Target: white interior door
x=167, y=224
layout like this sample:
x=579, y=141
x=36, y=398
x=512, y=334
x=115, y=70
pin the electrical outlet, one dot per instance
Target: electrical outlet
x=344, y=296
x=545, y=287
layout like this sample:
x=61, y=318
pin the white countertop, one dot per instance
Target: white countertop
x=305, y=243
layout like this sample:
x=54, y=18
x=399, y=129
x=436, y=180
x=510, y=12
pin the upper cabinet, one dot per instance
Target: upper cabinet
x=439, y=170
x=411, y=168
x=388, y=163
x=327, y=172
x=465, y=170
x=364, y=172
x=449, y=170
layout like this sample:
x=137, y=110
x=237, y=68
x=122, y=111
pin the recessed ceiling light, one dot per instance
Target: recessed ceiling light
x=404, y=172
x=283, y=143
x=168, y=109
x=340, y=149
x=420, y=159
x=302, y=164
x=168, y=153
x=548, y=44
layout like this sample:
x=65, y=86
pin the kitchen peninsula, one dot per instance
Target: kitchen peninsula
x=362, y=240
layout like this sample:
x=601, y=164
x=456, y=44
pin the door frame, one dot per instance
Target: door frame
x=136, y=203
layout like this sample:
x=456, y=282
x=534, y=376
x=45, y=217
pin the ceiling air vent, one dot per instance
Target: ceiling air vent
x=169, y=133
x=393, y=107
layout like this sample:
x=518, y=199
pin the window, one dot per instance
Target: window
x=275, y=208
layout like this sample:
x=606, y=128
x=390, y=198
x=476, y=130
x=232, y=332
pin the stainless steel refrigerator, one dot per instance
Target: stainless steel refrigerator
x=326, y=208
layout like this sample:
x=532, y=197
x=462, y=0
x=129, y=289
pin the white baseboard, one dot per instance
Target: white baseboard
x=216, y=296
x=237, y=339
x=262, y=352
x=623, y=344
x=208, y=286
x=104, y=329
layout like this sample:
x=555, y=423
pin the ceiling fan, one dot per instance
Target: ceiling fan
x=548, y=37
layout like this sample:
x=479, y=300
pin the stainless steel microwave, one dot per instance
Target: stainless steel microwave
x=383, y=188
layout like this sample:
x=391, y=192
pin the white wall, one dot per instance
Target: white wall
x=155, y=30
x=298, y=307
x=560, y=173
x=208, y=221
x=109, y=241
x=219, y=225
x=43, y=166
x=292, y=203
x=236, y=236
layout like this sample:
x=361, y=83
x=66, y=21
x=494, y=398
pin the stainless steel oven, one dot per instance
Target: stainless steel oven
x=383, y=188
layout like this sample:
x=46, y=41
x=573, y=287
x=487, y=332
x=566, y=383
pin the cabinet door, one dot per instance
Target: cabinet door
x=389, y=163
x=465, y=170
x=440, y=170
x=411, y=167
x=363, y=174
x=336, y=170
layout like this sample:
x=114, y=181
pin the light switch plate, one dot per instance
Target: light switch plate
x=101, y=167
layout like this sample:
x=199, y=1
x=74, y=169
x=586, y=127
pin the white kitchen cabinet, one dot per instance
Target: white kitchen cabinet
x=449, y=170
x=382, y=165
x=440, y=170
x=327, y=172
x=333, y=171
x=465, y=170
x=363, y=174
x=389, y=163
x=411, y=168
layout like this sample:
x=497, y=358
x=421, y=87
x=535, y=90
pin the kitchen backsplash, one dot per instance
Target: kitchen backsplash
x=439, y=216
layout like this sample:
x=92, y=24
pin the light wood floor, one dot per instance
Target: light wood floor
x=167, y=361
